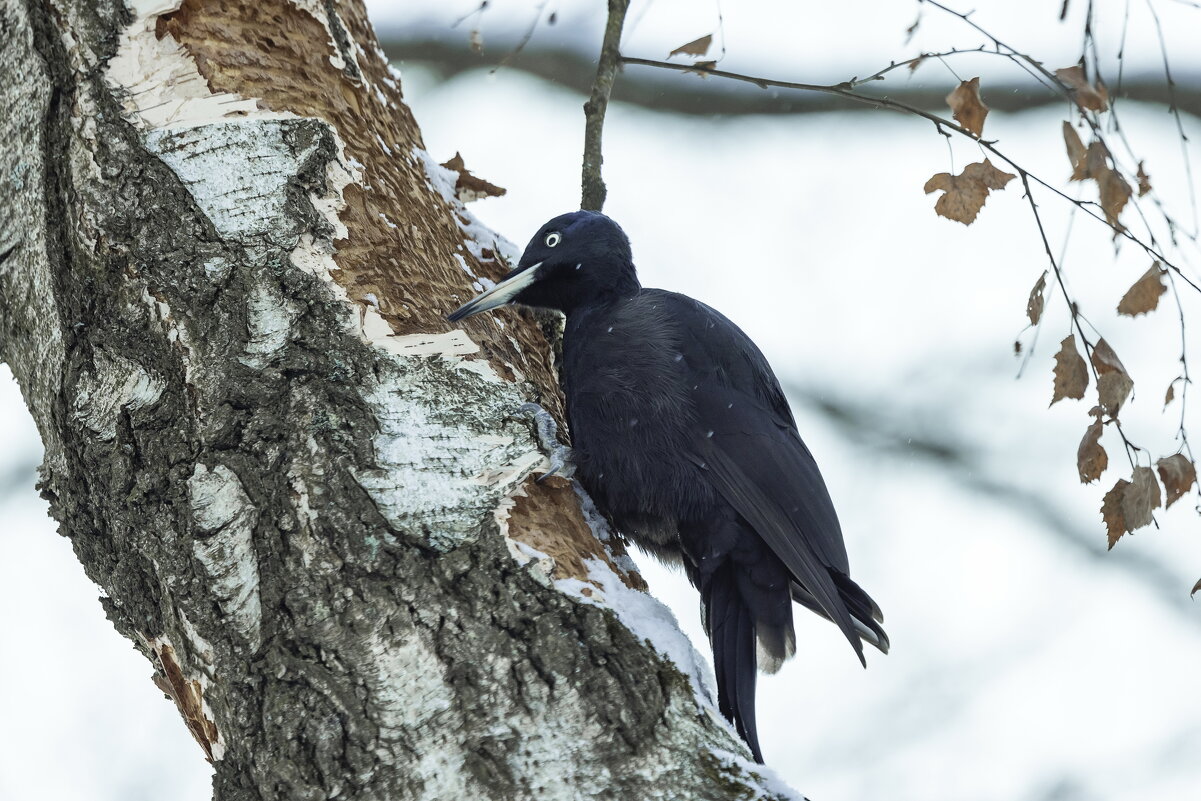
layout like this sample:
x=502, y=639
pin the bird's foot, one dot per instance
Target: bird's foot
x=548, y=438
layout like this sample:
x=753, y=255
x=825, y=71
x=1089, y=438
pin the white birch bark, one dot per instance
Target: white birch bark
x=224, y=257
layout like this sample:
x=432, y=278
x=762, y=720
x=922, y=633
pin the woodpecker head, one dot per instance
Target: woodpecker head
x=574, y=260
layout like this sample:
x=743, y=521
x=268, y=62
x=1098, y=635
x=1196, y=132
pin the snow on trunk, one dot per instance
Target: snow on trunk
x=224, y=261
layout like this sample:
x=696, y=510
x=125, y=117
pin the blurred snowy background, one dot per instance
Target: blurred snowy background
x=1028, y=664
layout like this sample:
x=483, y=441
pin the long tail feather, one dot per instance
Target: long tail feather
x=865, y=614
x=731, y=630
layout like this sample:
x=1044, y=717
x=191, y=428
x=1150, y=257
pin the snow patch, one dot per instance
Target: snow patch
x=465, y=267
x=648, y=619
x=224, y=518
x=760, y=780
x=541, y=565
x=476, y=234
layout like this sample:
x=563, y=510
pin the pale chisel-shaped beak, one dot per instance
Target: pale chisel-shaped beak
x=499, y=295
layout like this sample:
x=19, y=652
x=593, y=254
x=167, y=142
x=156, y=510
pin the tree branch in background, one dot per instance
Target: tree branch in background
x=647, y=89
x=593, y=185
x=942, y=124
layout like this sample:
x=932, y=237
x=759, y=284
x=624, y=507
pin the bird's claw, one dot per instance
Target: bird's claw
x=556, y=452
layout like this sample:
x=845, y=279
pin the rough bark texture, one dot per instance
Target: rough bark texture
x=224, y=260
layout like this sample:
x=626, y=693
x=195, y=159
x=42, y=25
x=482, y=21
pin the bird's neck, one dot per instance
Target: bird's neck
x=625, y=286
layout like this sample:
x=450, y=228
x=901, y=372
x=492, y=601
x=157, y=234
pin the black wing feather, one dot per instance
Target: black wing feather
x=747, y=441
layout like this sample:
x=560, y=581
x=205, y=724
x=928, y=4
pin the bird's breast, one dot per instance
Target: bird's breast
x=630, y=412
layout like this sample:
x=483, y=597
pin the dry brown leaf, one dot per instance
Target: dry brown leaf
x=703, y=66
x=1113, y=382
x=1034, y=305
x=1091, y=458
x=1196, y=587
x=467, y=186
x=1140, y=499
x=1111, y=512
x=1144, y=180
x=965, y=193
x=1096, y=159
x=967, y=107
x=1077, y=153
x=1112, y=187
x=915, y=63
x=1178, y=474
x=1071, y=373
x=1094, y=98
x=1129, y=504
x=697, y=47
x=912, y=29
x=1115, y=193
x=1143, y=296
x=188, y=697
x=1170, y=395
x=1105, y=360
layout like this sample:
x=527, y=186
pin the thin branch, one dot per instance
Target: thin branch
x=525, y=39
x=592, y=184
x=844, y=89
x=1075, y=312
x=1089, y=39
x=1184, y=379
x=912, y=63
x=1013, y=51
x=1167, y=72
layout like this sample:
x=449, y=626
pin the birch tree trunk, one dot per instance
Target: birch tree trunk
x=224, y=260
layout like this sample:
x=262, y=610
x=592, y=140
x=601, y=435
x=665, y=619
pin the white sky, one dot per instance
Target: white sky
x=1021, y=670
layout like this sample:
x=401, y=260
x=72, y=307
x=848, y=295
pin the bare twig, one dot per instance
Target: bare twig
x=1184, y=378
x=1090, y=42
x=941, y=123
x=525, y=39
x=1167, y=72
x=1131, y=448
x=912, y=63
x=1013, y=51
x=593, y=185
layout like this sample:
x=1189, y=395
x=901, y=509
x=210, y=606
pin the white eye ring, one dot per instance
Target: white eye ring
x=553, y=238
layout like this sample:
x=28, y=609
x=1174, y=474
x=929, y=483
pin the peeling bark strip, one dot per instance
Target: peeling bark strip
x=226, y=255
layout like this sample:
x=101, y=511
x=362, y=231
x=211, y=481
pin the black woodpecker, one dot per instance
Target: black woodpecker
x=683, y=438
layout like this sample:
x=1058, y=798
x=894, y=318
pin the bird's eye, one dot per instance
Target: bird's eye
x=553, y=238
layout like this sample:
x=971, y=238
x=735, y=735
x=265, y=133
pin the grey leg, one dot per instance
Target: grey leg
x=548, y=438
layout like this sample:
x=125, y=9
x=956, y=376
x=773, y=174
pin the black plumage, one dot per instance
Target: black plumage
x=683, y=438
